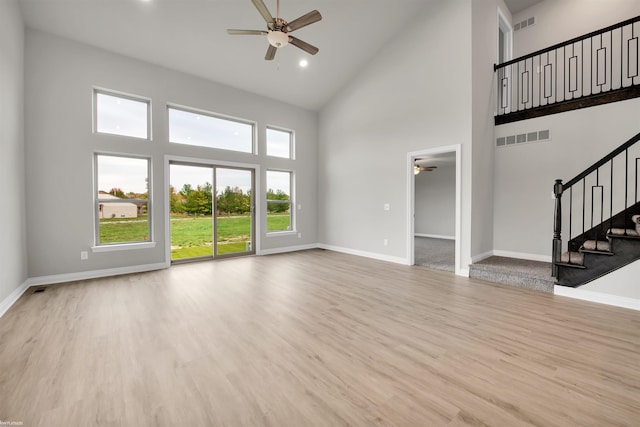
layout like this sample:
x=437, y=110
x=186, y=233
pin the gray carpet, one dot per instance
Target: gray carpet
x=522, y=273
x=435, y=253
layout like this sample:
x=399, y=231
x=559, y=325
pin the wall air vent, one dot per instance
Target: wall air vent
x=522, y=138
x=524, y=24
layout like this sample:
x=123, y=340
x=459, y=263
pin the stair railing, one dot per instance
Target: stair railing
x=606, y=205
x=604, y=62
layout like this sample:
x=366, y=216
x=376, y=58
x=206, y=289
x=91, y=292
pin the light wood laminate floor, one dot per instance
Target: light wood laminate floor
x=314, y=338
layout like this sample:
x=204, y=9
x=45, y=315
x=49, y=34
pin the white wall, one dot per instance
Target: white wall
x=435, y=202
x=622, y=282
x=525, y=173
x=60, y=75
x=414, y=95
x=560, y=20
x=484, y=56
x=13, y=254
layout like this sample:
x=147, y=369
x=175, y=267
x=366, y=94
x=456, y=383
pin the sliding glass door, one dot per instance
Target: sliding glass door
x=233, y=215
x=212, y=211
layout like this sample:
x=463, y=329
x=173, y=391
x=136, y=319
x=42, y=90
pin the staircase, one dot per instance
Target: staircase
x=600, y=241
x=601, y=219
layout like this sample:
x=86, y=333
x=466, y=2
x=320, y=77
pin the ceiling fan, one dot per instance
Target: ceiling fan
x=278, y=30
x=417, y=168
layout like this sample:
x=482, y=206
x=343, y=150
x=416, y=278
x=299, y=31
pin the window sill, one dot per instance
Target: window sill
x=123, y=247
x=281, y=233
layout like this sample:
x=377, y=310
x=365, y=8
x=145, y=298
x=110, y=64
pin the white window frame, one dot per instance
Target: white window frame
x=111, y=247
x=292, y=145
x=197, y=111
x=504, y=25
x=292, y=205
x=109, y=92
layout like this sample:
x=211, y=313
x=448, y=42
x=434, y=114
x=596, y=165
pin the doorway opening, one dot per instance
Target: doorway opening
x=433, y=238
x=211, y=211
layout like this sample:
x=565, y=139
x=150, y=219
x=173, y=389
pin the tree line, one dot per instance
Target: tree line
x=231, y=201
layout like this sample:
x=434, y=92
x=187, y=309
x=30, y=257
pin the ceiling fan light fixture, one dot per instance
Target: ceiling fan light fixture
x=278, y=38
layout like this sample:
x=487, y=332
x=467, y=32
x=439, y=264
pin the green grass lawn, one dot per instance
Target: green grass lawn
x=192, y=236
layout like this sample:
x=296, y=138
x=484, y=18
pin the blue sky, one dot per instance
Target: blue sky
x=122, y=116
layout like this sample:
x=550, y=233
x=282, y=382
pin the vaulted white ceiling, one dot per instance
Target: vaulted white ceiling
x=190, y=36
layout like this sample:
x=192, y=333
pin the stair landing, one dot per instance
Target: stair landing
x=521, y=273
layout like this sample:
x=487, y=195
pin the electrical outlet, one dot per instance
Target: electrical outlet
x=299, y=235
x=387, y=207
x=84, y=255
x=386, y=242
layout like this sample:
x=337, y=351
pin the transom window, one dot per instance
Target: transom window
x=208, y=130
x=279, y=143
x=122, y=200
x=279, y=201
x=121, y=115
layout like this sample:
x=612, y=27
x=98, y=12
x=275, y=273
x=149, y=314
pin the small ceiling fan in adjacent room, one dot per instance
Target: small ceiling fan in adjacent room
x=417, y=168
x=278, y=30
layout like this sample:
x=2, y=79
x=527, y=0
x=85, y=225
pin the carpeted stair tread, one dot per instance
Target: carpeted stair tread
x=623, y=232
x=596, y=245
x=574, y=258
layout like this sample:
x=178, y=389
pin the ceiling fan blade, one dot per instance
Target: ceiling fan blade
x=247, y=32
x=271, y=53
x=259, y=4
x=303, y=21
x=303, y=45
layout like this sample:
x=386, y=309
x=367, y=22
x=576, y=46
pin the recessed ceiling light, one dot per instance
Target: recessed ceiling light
x=303, y=63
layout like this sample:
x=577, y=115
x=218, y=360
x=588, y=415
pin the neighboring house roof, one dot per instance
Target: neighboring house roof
x=107, y=196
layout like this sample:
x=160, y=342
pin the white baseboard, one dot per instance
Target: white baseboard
x=435, y=236
x=480, y=257
x=598, y=297
x=94, y=274
x=522, y=255
x=373, y=255
x=287, y=249
x=6, y=304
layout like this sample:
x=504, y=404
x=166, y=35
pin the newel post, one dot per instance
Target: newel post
x=556, y=250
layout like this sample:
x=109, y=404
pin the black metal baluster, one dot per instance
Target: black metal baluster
x=584, y=202
x=556, y=82
x=611, y=196
x=518, y=87
x=570, y=213
x=564, y=73
x=582, y=67
x=637, y=53
x=540, y=80
x=531, y=82
x=601, y=204
x=591, y=65
x=626, y=187
x=636, y=183
x=611, y=61
x=592, y=197
x=621, y=56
